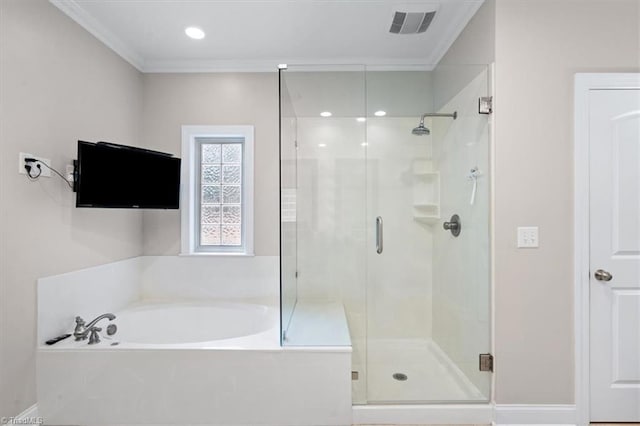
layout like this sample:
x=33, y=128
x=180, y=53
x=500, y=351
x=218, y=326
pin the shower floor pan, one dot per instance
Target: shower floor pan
x=429, y=374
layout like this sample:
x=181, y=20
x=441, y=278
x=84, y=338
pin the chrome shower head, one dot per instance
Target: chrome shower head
x=421, y=130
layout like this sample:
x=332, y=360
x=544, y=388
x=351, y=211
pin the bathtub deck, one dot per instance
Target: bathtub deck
x=318, y=324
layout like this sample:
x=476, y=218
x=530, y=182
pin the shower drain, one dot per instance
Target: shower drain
x=399, y=376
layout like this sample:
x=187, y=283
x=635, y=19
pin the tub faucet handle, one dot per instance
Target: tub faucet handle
x=80, y=331
x=94, y=336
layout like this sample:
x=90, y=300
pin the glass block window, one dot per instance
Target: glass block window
x=217, y=190
x=221, y=192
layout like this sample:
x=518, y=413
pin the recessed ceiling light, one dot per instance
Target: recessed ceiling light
x=361, y=119
x=194, y=32
x=325, y=114
x=380, y=113
x=364, y=144
x=322, y=145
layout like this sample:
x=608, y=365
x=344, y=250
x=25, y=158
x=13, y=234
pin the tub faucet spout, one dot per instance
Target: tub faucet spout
x=82, y=330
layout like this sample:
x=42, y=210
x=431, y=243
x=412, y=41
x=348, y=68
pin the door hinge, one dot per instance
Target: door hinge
x=486, y=362
x=354, y=375
x=296, y=274
x=485, y=105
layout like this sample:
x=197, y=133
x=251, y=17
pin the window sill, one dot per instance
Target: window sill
x=230, y=254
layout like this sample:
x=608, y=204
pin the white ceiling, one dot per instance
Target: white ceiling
x=257, y=35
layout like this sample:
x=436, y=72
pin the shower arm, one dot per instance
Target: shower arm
x=453, y=115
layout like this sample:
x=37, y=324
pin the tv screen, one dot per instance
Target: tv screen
x=120, y=176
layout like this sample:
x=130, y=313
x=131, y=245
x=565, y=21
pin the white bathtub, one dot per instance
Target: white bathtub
x=213, y=363
x=188, y=325
x=197, y=324
x=163, y=323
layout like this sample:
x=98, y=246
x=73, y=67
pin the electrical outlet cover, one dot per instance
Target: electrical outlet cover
x=46, y=172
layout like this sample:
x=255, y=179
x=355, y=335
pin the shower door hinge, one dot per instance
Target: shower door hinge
x=485, y=105
x=486, y=362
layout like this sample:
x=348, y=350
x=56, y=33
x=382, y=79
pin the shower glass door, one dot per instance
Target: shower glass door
x=400, y=269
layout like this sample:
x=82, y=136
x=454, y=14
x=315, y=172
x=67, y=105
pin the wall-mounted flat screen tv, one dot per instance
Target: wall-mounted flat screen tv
x=119, y=176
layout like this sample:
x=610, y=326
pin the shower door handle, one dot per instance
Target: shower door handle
x=379, y=236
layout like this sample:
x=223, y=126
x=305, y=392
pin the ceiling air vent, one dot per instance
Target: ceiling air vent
x=411, y=22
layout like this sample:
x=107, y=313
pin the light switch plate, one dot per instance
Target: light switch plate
x=528, y=237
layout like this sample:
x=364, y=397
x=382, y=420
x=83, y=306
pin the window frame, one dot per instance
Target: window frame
x=190, y=189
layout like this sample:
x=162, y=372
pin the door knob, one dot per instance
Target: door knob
x=602, y=275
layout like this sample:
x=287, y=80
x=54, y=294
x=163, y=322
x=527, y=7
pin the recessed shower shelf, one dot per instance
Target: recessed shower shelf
x=426, y=195
x=426, y=175
x=428, y=213
x=427, y=206
x=428, y=220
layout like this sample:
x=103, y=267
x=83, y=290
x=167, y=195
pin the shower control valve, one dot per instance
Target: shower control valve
x=454, y=225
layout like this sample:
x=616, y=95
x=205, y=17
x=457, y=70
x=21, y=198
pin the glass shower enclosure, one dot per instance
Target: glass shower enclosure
x=374, y=165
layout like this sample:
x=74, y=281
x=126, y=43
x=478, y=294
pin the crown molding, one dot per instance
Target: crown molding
x=75, y=11
x=206, y=66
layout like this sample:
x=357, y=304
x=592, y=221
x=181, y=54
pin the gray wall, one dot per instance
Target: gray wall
x=173, y=100
x=58, y=84
x=474, y=46
x=540, y=45
x=537, y=46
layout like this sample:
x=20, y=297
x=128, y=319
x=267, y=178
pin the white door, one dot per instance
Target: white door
x=614, y=151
